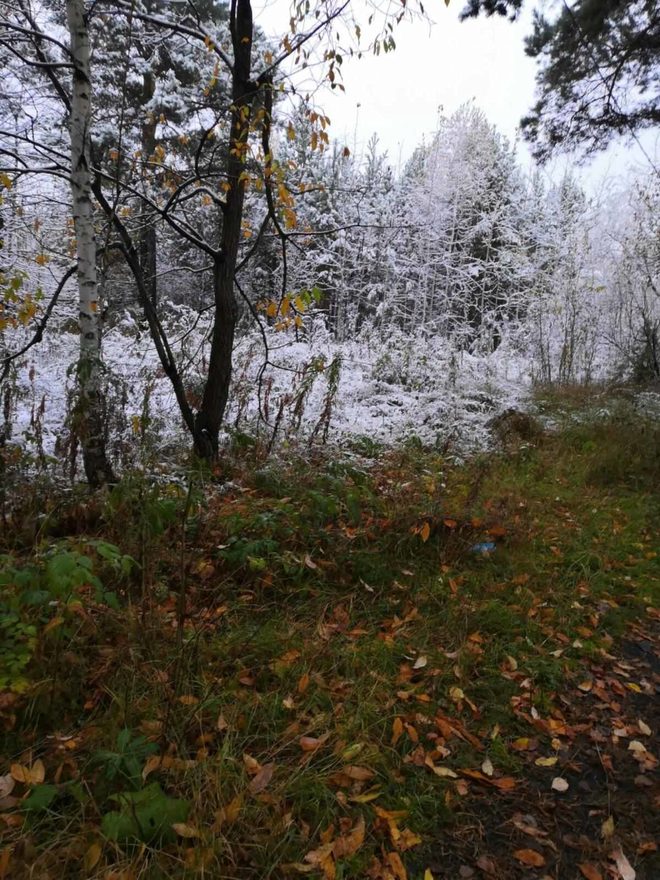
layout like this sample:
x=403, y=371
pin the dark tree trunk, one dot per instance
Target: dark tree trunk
x=216, y=391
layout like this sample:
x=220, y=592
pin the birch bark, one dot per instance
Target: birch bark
x=92, y=410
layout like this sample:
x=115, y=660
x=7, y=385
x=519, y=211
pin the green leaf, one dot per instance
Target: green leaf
x=40, y=798
x=146, y=815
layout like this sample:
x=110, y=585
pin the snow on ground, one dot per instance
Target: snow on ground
x=389, y=390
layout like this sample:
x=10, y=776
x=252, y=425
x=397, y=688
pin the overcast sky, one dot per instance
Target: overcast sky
x=440, y=65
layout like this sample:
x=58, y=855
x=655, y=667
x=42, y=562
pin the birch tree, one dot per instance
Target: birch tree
x=91, y=399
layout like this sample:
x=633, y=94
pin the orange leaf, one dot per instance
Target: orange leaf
x=312, y=743
x=397, y=867
x=349, y=844
x=33, y=775
x=529, y=857
x=397, y=730
x=425, y=532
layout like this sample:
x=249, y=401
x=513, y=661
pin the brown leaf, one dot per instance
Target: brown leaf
x=312, y=743
x=152, y=763
x=5, y=858
x=361, y=774
x=350, y=843
x=261, y=780
x=397, y=730
x=590, y=871
x=529, y=857
x=486, y=864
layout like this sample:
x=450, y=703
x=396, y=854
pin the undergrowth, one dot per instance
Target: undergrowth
x=314, y=666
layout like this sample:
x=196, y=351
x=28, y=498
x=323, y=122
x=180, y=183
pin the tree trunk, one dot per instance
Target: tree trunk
x=216, y=391
x=92, y=403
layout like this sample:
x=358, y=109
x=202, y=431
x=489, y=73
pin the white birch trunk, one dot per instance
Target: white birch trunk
x=89, y=365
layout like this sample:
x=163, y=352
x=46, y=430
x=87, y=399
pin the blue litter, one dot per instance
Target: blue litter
x=484, y=549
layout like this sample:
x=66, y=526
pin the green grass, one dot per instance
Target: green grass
x=317, y=619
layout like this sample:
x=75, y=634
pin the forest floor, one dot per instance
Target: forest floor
x=365, y=663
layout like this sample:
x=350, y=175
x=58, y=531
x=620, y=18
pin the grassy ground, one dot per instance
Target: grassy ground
x=311, y=671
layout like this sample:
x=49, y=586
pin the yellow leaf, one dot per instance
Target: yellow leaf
x=607, y=828
x=92, y=856
x=53, y=624
x=41, y=259
x=34, y=775
x=183, y=829
x=366, y=797
x=428, y=875
x=546, y=762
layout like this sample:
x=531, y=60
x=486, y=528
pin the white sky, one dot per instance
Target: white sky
x=441, y=64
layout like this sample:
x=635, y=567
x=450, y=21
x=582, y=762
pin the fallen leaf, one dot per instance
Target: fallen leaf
x=425, y=532
x=623, y=865
x=559, y=784
x=487, y=767
x=33, y=775
x=361, y=774
x=590, y=871
x=644, y=729
x=183, y=829
x=7, y=784
x=312, y=743
x=420, y=662
x=486, y=864
x=152, y=763
x=607, y=828
x=456, y=694
x=397, y=730
x=350, y=843
x=5, y=858
x=251, y=764
x=546, y=762
x=261, y=780
x=397, y=866
x=228, y=814
x=636, y=746
x=322, y=858
x=529, y=857
x=366, y=797
x=92, y=856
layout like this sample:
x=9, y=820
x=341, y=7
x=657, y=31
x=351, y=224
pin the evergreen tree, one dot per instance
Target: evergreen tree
x=598, y=73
